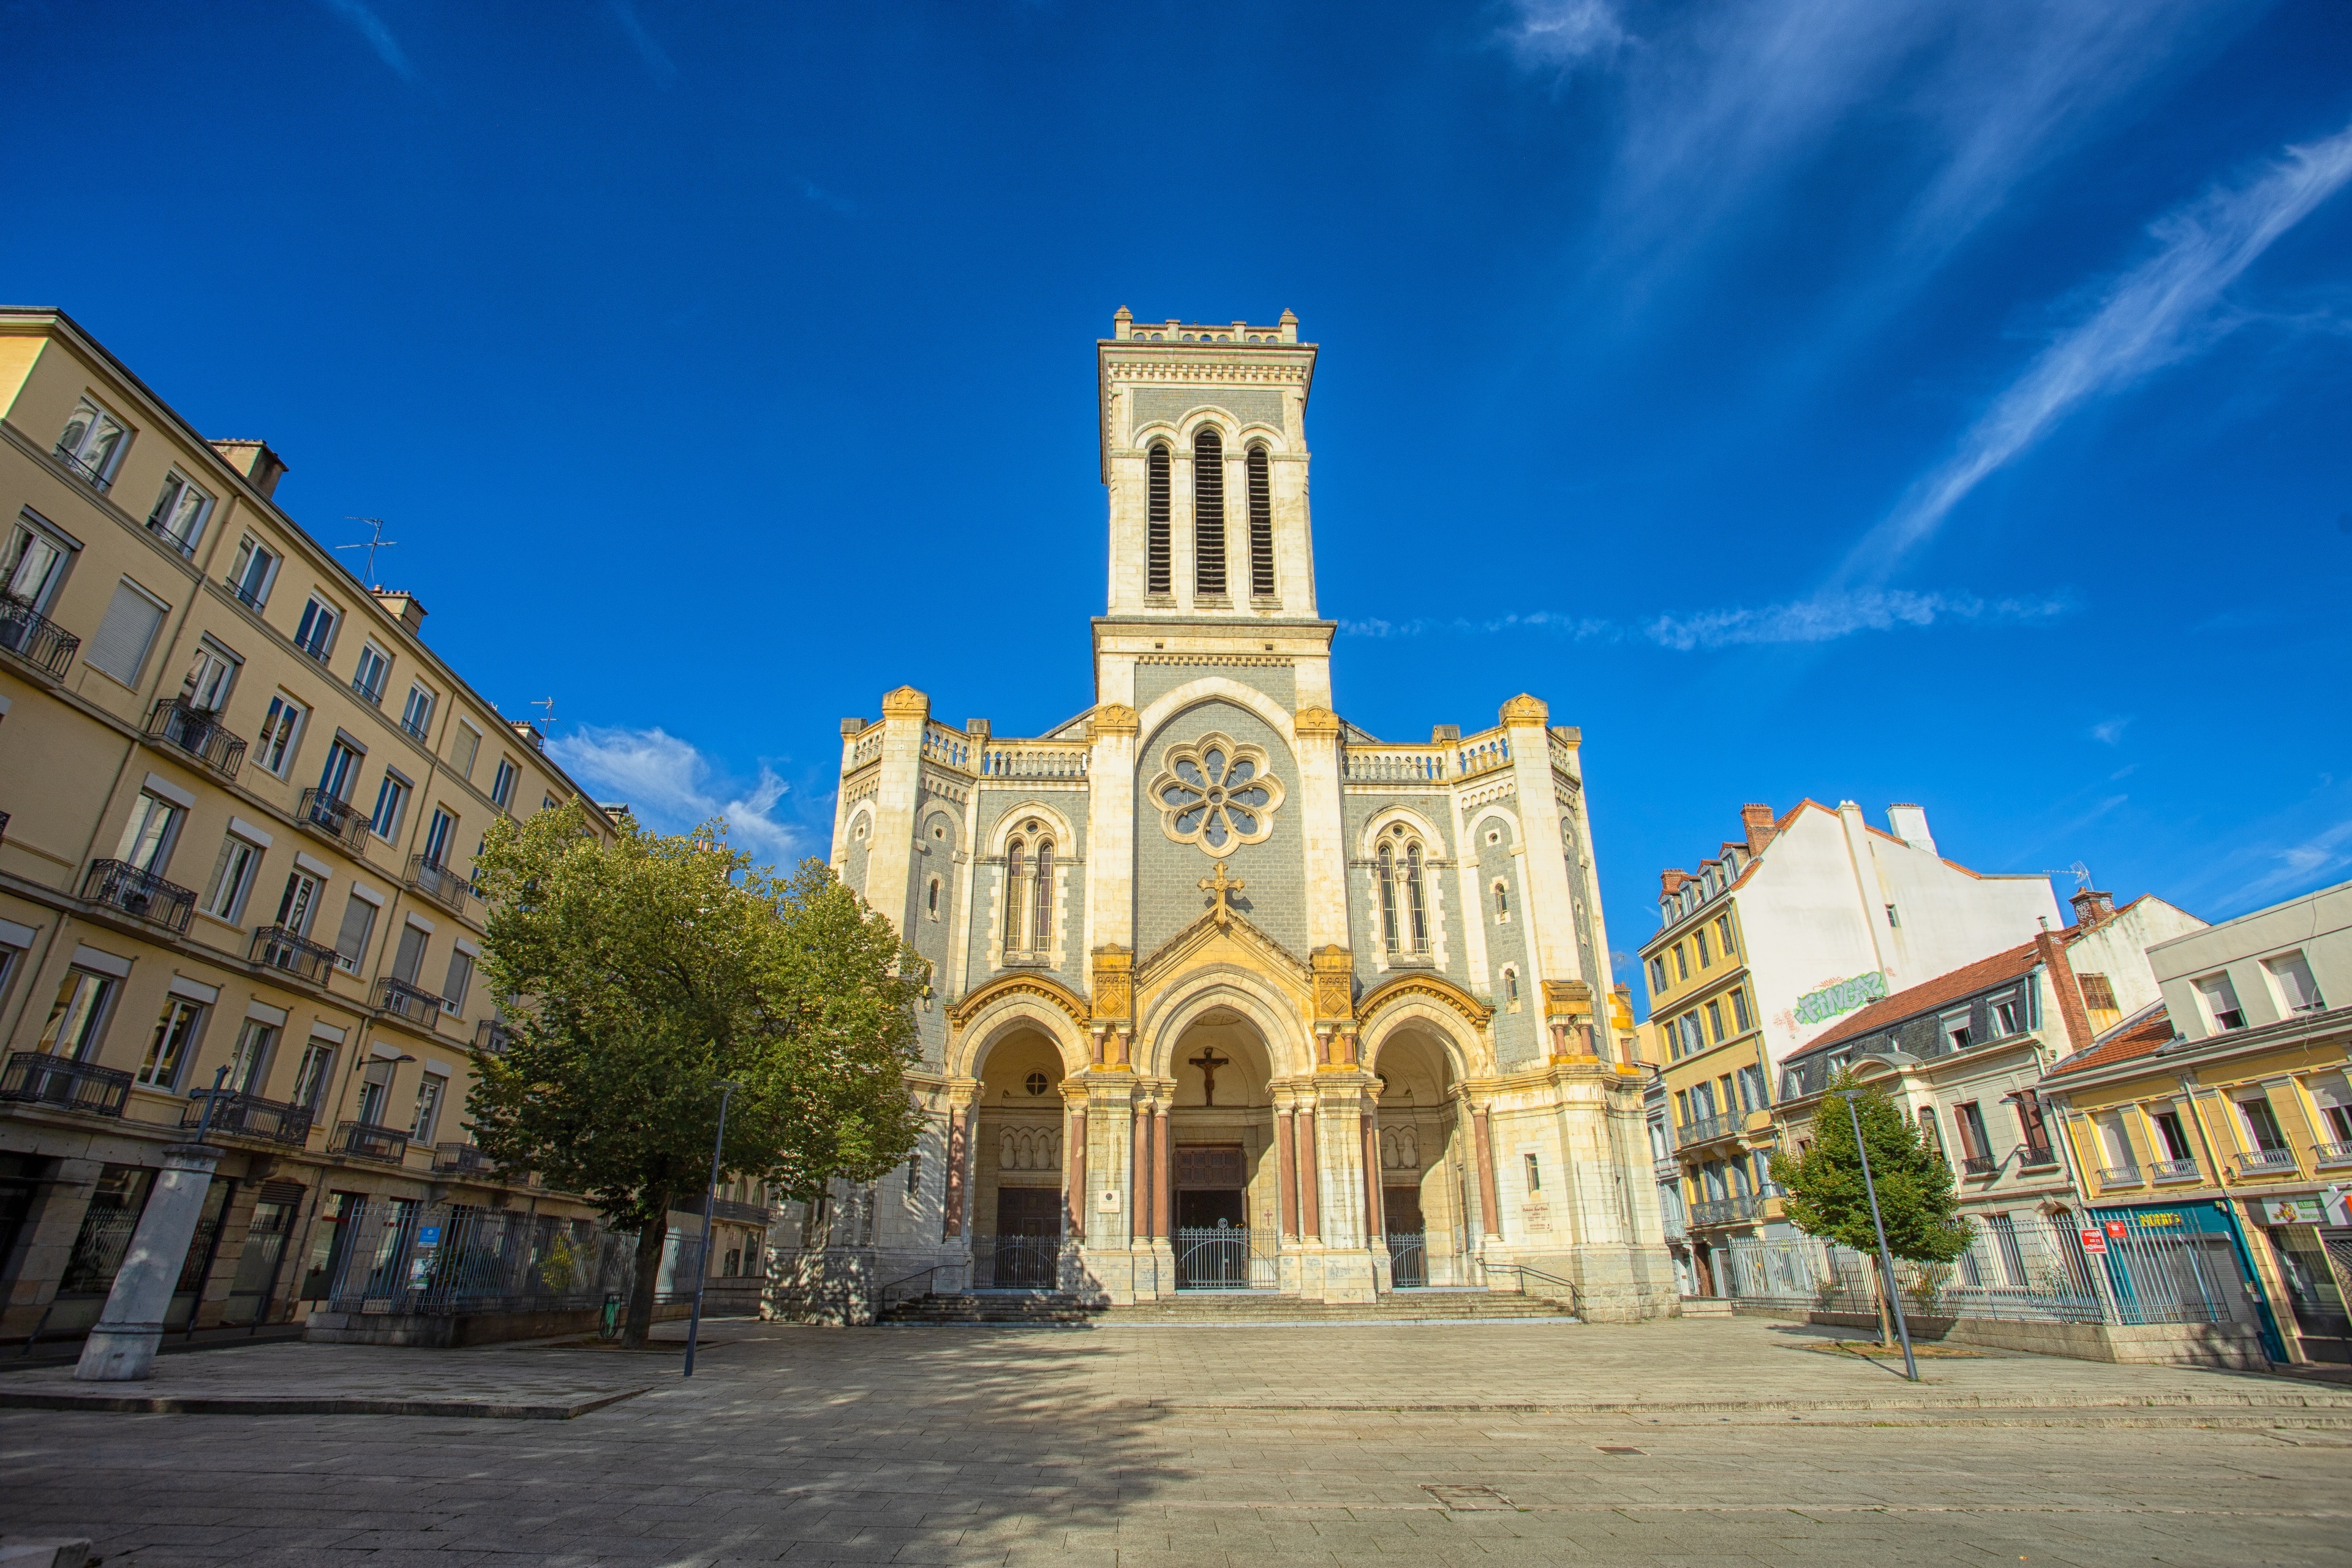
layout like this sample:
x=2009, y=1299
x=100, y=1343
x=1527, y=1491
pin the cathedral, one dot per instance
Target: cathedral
x=1227, y=994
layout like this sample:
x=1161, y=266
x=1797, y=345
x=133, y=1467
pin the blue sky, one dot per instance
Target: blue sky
x=1941, y=401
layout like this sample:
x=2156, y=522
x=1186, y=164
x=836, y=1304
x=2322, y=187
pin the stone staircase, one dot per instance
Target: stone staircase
x=1221, y=1308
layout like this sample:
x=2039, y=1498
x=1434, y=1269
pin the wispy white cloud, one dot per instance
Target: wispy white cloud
x=2109, y=732
x=1551, y=34
x=2159, y=311
x=657, y=59
x=1824, y=617
x=672, y=787
x=379, y=36
x=2308, y=862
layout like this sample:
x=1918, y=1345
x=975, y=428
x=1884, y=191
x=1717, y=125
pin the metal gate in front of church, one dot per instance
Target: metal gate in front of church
x=1214, y=1260
x=1025, y=1263
x=1408, y=1259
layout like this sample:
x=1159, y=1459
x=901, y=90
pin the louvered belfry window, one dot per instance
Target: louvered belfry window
x=1156, y=573
x=1209, y=515
x=1041, y=902
x=1261, y=504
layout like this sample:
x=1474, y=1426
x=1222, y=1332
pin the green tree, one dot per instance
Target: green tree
x=641, y=974
x=1828, y=1198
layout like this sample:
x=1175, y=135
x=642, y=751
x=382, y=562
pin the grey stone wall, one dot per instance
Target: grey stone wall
x=996, y=803
x=1153, y=681
x=1167, y=874
x=1519, y=1037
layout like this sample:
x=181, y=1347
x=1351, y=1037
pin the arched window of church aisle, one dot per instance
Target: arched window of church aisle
x=1209, y=515
x=1388, y=898
x=1413, y=900
x=1015, y=883
x=1040, y=900
x=1502, y=903
x=1511, y=990
x=1261, y=524
x=1158, y=552
x=931, y=899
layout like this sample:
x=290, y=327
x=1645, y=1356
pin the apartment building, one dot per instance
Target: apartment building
x=2223, y=1107
x=1801, y=922
x=239, y=800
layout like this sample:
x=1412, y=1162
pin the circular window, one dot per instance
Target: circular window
x=938, y=830
x=1494, y=836
x=1036, y=1083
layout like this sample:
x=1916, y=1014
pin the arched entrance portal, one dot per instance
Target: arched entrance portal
x=1017, y=1205
x=1425, y=1180
x=1221, y=1176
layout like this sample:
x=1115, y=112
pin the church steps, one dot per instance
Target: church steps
x=1211, y=1308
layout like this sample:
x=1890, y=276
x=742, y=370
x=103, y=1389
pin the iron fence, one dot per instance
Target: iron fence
x=436, y=1259
x=1216, y=1259
x=413, y=1002
x=1408, y=1259
x=367, y=1141
x=1024, y=1263
x=438, y=882
x=2028, y=1270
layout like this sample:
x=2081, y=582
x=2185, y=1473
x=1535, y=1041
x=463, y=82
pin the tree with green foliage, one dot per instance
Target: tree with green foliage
x=641, y=974
x=1827, y=1196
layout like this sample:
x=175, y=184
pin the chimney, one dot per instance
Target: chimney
x=403, y=608
x=2093, y=909
x=1758, y=820
x=2063, y=986
x=1909, y=824
x=261, y=467
x=1671, y=882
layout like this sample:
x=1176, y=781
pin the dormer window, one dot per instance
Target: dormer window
x=1209, y=515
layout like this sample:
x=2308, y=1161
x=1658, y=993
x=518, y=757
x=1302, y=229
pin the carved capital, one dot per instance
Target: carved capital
x=1317, y=721
x=1525, y=710
x=1115, y=719
x=1114, y=985
x=1335, y=991
x=905, y=703
x=1567, y=999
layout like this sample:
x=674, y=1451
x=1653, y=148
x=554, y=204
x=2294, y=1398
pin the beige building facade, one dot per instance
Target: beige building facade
x=239, y=800
x=1229, y=993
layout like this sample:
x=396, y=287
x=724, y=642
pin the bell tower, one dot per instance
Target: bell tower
x=1204, y=457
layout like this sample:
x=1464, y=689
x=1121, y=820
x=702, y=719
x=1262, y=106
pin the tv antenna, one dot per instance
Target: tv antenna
x=374, y=541
x=2081, y=873
x=548, y=703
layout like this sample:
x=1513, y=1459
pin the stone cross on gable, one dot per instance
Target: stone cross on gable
x=1223, y=889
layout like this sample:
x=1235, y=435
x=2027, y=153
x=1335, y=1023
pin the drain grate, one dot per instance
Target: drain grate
x=1618, y=1448
x=1462, y=1500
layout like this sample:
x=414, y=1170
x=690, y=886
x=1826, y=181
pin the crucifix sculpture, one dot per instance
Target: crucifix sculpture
x=1223, y=889
x=1209, y=1061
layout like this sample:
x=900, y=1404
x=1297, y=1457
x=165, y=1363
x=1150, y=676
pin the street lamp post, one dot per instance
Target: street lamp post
x=1886, y=1259
x=710, y=1199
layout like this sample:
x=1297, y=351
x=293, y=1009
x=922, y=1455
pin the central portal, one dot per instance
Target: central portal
x=1221, y=1173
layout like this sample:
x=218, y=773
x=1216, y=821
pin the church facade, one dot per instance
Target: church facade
x=1227, y=993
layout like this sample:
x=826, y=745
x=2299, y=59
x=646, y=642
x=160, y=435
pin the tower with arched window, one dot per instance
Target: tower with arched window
x=1226, y=991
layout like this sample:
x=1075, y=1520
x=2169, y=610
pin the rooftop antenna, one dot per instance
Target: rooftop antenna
x=2081, y=875
x=548, y=703
x=374, y=541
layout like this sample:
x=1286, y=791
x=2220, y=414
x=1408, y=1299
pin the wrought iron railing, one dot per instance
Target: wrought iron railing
x=1979, y=1165
x=413, y=1002
x=2120, y=1177
x=2266, y=1163
x=122, y=886
x=1706, y=1129
x=245, y=595
x=95, y=477
x=2036, y=1156
x=367, y=1140
x=2321, y=1153
x=199, y=732
x=372, y=695
x=1215, y=1259
x=438, y=882
x=2174, y=1169
x=33, y=1079
x=334, y=817
x=34, y=638
x=1727, y=1211
x=1025, y=1263
x=295, y=954
x=249, y=1116
x=1408, y=1259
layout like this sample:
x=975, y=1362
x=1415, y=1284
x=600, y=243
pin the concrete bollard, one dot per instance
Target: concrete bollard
x=122, y=1347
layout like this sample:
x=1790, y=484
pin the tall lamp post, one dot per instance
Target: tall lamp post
x=709, y=1198
x=1886, y=1259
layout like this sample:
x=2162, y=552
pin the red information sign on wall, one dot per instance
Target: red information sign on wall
x=2116, y=1228
x=2094, y=1240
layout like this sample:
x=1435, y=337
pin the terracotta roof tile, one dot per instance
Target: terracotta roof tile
x=2142, y=1034
x=1967, y=979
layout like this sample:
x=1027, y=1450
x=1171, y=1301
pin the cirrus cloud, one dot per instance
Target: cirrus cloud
x=672, y=787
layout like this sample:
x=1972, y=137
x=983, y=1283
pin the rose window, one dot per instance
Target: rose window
x=1216, y=793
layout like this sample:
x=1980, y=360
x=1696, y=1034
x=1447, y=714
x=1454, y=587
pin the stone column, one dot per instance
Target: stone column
x=121, y=1346
x=1310, y=1216
x=1286, y=1154
x=1374, y=1225
x=951, y=1204
x=1490, y=1218
x=1163, y=1174
x=1073, y=1171
x=1138, y=1184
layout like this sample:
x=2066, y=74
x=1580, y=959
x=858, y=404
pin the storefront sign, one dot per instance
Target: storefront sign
x=2292, y=1211
x=1843, y=996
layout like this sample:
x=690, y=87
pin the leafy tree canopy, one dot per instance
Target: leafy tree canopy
x=643, y=971
x=1826, y=1195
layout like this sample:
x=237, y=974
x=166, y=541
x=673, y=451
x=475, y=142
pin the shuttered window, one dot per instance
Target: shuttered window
x=1261, y=509
x=1157, y=552
x=125, y=635
x=1209, y=515
x=351, y=942
x=410, y=958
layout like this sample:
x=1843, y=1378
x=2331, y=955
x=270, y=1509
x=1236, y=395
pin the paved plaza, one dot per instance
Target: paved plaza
x=1488, y=1444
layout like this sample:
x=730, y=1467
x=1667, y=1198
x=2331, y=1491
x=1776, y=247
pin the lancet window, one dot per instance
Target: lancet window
x=1157, y=552
x=1209, y=514
x=1261, y=524
x=1028, y=896
x=1404, y=909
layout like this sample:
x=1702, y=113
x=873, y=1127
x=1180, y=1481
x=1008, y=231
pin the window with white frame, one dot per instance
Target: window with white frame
x=150, y=833
x=248, y=1065
x=2221, y=999
x=439, y=835
x=430, y=1088
x=343, y=767
x=2291, y=976
x=315, y=633
x=174, y=1042
x=132, y=619
x=77, y=1022
x=93, y=443
x=2331, y=1092
x=252, y=572
x=315, y=1075
x=1955, y=1029
x=233, y=876
x=280, y=727
x=2007, y=1016
x=211, y=677
x=464, y=747
x=416, y=713
x=391, y=805
x=181, y=513
x=35, y=565
x=2261, y=1123
x=369, y=674
x=297, y=905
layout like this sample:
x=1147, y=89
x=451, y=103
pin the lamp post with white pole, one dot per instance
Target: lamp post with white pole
x=710, y=1199
x=1886, y=1259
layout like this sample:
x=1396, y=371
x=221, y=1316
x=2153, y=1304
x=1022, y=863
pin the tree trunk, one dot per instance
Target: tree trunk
x=640, y=1322
x=1885, y=1305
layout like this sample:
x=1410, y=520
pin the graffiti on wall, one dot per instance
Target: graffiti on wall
x=1840, y=996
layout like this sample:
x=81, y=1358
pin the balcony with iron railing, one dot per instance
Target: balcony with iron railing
x=1727, y=1211
x=1979, y=1165
x=460, y=1159
x=2036, y=1157
x=367, y=1140
x=418, y=1006
x=31, y=1077
x=296, y=954
x=1709, y=1129
x=250, y=1116
x=2267, y=1163
x=333, y=818
x=2321, y=1153
x=119, y=884
x=94, y=475
x=199, y=732
x=370, y=695
x=2120, y=1177
x=417, y=728
x=2173, y=1171
x=439, y=883
x=34, y=638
